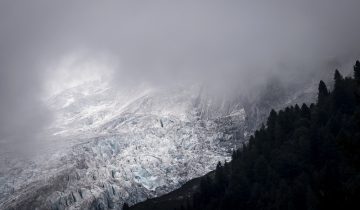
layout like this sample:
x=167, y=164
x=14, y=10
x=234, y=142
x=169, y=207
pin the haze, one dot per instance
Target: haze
x=46, y=46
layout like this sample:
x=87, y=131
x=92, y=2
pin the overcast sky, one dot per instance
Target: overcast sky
x=230, y=42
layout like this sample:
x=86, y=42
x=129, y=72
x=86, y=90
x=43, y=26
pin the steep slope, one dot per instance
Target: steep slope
x=305, y=158
x=107, y=146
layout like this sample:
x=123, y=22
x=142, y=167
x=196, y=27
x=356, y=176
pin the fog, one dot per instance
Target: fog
x=236, y=44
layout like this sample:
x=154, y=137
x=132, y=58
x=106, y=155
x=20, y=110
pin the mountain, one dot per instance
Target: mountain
x=304, y=158
x=114, y=146
x=108, y=146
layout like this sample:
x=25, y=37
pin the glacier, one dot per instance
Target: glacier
x=106, y=147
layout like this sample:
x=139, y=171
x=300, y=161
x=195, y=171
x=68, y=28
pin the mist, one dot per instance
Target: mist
x=237, y=44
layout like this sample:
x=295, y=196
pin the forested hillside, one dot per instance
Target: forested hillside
x=305, y=157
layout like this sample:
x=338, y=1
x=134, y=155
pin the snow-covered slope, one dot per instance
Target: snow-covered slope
x=109, y=146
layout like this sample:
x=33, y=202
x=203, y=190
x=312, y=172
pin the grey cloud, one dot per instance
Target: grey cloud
x=225, y=42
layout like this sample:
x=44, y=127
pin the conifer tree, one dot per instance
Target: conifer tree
x=126, y=206
x=357, y=71
x=220, y=178
x=272, y=119
x=338, y=90
x=323, y=93
x=337, y=78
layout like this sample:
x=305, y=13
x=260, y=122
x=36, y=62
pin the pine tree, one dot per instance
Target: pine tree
x=220, y=178
x=271, y=119
x=126, y=206
x=337, y=78
x=305, y=111
x=357, y=71
x=323, y=93
x=338, y=90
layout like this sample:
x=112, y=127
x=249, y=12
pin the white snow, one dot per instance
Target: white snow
x=130, y=144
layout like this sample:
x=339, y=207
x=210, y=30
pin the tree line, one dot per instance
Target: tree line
x=304, y=157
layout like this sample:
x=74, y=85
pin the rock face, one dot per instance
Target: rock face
x=108, y=147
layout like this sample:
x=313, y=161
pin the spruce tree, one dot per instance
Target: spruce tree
x=126, y=206
x=271, y=119
x=323, y=93
x=220, y=178
x=337, y=77
x=357, y=71
x=338, y=90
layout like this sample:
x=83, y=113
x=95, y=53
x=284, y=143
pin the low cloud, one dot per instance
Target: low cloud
x=232, y=43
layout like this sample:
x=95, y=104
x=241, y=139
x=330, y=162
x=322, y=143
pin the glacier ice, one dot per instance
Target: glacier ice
x=107, y=146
